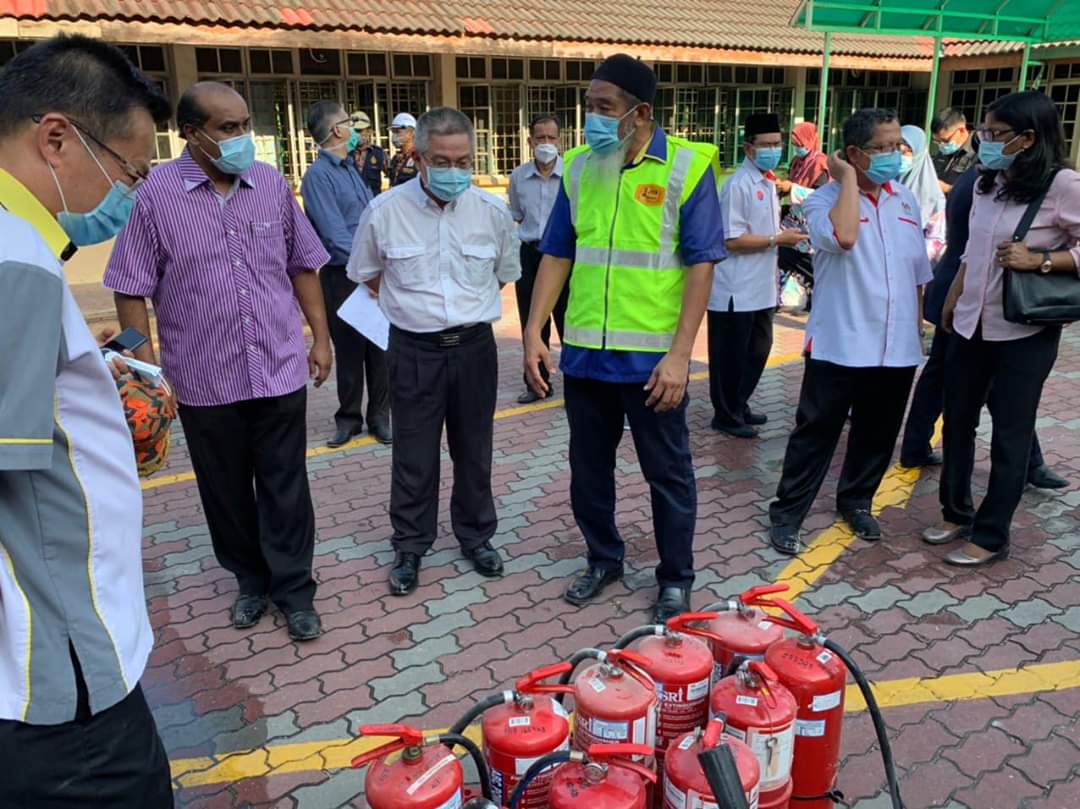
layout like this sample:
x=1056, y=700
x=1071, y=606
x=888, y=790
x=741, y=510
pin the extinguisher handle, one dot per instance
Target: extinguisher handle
x=714, y=731
x=795, y=619
x=531, y=683
x=638, y=667
x=407, y=736
x=755, y=593
x=763, y=670
x=681, y=623
x=616, y=756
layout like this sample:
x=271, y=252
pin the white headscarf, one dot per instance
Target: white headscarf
x=922, y=179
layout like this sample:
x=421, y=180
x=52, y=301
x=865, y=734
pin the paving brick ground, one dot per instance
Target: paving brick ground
x=904, y=614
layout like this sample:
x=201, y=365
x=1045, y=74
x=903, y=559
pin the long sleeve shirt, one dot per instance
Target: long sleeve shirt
x=335, y=195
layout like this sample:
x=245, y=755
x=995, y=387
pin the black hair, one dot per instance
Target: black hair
x=543, y=118
x=947, y=119
x=1029, y=111
x=321, y=119
x=859, y=128
x=89, y=81
x=189, y=112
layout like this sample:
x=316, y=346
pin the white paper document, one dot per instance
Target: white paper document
x=362, y=312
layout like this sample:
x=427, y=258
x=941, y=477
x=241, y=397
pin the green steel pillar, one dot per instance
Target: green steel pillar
x=931, y=96
x=1024, y=61
x=823, y=94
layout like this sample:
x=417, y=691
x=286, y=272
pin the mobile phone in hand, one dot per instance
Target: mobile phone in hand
x=127, y=340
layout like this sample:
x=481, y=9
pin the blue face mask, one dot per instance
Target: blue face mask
x=354, y=141
x=108, y=217
x=906, y=164
x=237, y=154
x=948, y=148
x=602, y=132
x=801, y=151
x=992, y=155
x=767, y=158
x=448, y=184
x=883, y=167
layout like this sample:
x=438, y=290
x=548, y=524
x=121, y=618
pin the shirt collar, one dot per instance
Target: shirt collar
x=17, y=200
x=335, y=159
x=193, y=176
x=764, y=177
x=533, y=171
x=657, y=148
x=421, y=198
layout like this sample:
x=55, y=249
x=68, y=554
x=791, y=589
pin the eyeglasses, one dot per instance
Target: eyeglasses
x=137, y=176
x=988, y=134
x=892, y=147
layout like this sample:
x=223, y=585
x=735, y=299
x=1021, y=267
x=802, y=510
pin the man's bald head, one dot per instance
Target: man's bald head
x=211, y=104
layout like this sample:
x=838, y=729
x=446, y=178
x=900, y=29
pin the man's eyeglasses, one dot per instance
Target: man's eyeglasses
x=137, y=176
x=892, y=147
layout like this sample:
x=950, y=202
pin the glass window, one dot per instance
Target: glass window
x=206, y=60
x=402, y=65
x=152, y=58
x=317, y=62
x=230, y=60
x=282, y=61
x=474, y=101
x=260, y=61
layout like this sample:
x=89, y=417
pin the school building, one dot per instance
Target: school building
x=503, y=62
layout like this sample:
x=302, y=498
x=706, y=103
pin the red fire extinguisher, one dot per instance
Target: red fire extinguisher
x=685, y=785
x=427, y=775
x=739, y=630
x=614, y=701
x=605, y=779
x=761, y=712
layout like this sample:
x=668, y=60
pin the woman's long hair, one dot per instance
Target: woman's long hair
x=1029, y=111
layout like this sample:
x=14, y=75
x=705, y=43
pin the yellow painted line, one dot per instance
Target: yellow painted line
x=337, y=754
x=803, y=571
x=27, y=442
x=505, y=413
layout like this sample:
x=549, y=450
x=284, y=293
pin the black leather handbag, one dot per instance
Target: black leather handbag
x=1036, y=298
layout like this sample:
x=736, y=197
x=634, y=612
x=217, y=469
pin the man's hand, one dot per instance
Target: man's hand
x=1016, y=256
x=790, y=237
x=667, y=385
x=118, y=368
x=783, y=187
x=320, y=360
x=839, y=168
x=536, y=353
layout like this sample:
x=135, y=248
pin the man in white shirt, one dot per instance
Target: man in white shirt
x=862, y=341
x=743, y=296
x=437, y=250
x=533, y=189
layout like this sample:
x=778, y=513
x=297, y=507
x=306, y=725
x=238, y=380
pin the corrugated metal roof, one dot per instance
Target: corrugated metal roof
x=731, y=24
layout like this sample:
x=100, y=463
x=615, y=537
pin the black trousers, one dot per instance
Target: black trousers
x=595, y=411
x=433, y=384
x=876, y=399
x=356, y=359
x=112, y=760
x=927, y=403
x=1008, y=378
x=250, y=465
x=523, y=290
x=739, y=346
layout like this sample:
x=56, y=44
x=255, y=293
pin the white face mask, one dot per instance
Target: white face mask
x=546, y=153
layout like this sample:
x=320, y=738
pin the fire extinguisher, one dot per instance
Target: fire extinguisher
x=603, y=778
x=681, y=666
x=685, y=783
x=518, y=727
x=814, y=670
x=738, y=631
x=761, y=712
x=427, y=775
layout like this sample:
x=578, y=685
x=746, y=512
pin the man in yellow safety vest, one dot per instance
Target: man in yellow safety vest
x=638, y=218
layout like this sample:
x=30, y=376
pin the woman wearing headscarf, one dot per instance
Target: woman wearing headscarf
x=810, y=166
x=918, y=174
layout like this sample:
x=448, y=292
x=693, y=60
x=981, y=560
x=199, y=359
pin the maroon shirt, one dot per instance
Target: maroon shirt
x=218, y=270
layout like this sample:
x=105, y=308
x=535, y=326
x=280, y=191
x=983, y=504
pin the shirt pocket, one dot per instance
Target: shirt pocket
x=268, y=245
x=410, y=266
x=479, y=262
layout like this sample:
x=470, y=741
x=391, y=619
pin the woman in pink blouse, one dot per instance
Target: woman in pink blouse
x=991, y=360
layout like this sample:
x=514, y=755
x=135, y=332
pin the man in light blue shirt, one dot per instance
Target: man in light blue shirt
x=335, y=195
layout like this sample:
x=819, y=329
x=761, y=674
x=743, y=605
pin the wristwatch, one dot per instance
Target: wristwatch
x=1047, y=263
x=772, y=241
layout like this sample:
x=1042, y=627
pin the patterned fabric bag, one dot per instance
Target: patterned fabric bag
x=149, y=415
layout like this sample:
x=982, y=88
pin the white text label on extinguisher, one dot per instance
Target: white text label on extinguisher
x=825, y=702
x=813, y=728
x=675, y=798
x=609, y=731
x=751, y=701
x=455, y=802
x=432, y=771
x=521, y=765
x=520, y=721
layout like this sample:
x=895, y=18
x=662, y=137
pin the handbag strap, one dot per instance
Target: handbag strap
x=1032, y=211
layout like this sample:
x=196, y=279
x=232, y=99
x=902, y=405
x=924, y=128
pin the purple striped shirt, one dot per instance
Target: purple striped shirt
x=218, y=270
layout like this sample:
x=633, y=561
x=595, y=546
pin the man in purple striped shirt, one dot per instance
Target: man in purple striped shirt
x=220, y=246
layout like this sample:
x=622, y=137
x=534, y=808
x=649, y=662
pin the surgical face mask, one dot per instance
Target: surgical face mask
x=801, y=151
x=992, y=154
x=396, y=140
x=354, y=141
x=602, y=132
x=767, y=158
x=883, y=167
x=948, y=148
x=237, y=154
x=108, y=217
x=546, y=153
x=906, y=163
x=448, y=184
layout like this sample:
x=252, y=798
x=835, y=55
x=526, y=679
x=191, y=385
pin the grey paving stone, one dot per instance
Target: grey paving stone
x=428, y=651
x=171, y=715
x=829, y=595
x=1070, y=619
x=157, y=528
x=328, y=546
x=443, y=626
x=338, y=790
x=204, y=729
x=266, y=730
x=530, y=561
x=1029, y=612
x=455, y=602
x=394, y=709
x=166, y=573
x=928, y=603
x=164, y=588
x=978, y=608
x=561, y=569
x=731, y=586
x=181, y=558
x=880, y=599
x=405, y=681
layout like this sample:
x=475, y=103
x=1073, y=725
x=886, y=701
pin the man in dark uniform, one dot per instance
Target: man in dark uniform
x=403, y=165
x=955, y=152
x=370, y=159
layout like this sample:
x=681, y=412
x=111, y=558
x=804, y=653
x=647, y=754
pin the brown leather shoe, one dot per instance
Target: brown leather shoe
x=972, y=555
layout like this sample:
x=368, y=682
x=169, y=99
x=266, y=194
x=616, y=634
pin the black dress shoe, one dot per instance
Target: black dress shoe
x=528, y=397
x=303, y=624
x=735, y=430
x=381, y=433
x=405, y=574
x=672, y=601
x=785, y=539
x=590, y=584
x=486, y=561
x=755, y=419
x=247, y=610
x=862, y=524
x=341, y=437
x=1043, y=477
x=930, y=459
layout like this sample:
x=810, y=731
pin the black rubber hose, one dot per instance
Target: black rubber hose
x=576, y=660
x=640, y=632
x=736, y=661
x=720, y=770
x=457, y=740
x=538, y=766
x=875, y=715
x=476, y=711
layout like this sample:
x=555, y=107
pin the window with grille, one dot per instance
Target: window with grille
x=578, y=70
x=1066, y=97
x=148, y=58
x=562, y=102
x=475, y=101
x=309, y=93
x=512, y=69
x=508, y=125
x=366, y=64
x=219, y=60
x=973, y=91
x=269, y=105
x=545, y=70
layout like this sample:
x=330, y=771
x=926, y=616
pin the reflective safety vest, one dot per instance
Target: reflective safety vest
x=627, y=284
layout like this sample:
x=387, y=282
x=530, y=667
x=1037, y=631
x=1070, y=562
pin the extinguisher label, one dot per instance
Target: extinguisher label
x=520, y=721
x=675, y=798
x=522, y=765
x=824, y=657
x=431, y=773
x=765, y=626
x=557, y=707
x=751, y=701
x=826, y=702
x=455, y=802
x=810, y=727
x=774, y=752
x=597, y=685
x=686, y=743
x=682, y=708
x=606, y=730
x=734, y=733
x=698, y=690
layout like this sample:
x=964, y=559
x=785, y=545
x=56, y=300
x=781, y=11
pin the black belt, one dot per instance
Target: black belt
x=535, y=245
x=447, y=338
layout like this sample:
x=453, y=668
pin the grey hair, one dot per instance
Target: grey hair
x=442, y=121
x=859, y=128
x=321, y=119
